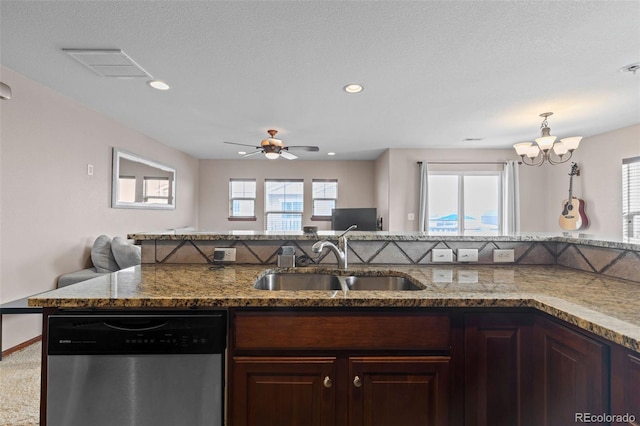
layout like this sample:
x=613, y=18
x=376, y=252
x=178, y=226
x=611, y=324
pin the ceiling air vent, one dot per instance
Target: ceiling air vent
x=108, y=62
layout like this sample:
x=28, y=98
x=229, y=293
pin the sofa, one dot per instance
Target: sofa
x=107, y=255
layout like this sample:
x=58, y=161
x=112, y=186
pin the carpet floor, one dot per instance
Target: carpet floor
x=20, y=387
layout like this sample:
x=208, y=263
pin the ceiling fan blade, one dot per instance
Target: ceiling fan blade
x=287, y=155
x=304, y=148
x=243, y=144
x=253, y=153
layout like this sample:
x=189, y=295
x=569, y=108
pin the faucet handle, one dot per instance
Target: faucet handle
x=352, y=227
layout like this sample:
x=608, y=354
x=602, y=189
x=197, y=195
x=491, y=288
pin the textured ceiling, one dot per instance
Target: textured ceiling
x=434, y=72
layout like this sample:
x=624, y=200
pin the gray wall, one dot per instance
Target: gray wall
x=51, y=210
x=355, y=187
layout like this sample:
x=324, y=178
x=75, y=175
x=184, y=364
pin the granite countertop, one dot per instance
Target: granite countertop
x=605, y=306
x=569, y=238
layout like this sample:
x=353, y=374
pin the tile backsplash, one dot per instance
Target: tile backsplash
x=613, y=262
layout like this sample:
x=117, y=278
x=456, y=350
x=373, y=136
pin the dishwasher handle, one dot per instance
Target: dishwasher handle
x=135, y=325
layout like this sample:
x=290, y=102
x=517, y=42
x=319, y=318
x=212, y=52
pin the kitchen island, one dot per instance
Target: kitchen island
x=604, y=306
x=472, y=342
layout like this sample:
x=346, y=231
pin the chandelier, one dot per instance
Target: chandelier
x=546, y=149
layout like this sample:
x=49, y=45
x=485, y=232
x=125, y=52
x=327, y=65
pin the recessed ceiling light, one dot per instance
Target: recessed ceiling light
x=331, y=153
x=158, y=84
x=353, y=88
x=472, y=139
x=242, y=152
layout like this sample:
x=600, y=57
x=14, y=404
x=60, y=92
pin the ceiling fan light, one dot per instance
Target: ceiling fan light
x=572, y=143
x=272, y=155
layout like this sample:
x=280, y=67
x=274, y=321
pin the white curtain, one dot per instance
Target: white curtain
x=423, y=206
x=511, y=210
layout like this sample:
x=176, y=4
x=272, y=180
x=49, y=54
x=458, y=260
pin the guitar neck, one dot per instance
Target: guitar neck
x=570, y=188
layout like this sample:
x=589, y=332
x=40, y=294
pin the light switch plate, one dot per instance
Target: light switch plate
x=441, y=255
x=467, y=255
x=503, y=256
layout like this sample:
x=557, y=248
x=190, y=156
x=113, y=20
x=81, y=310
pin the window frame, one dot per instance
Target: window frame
x=314, y=216
x=460, y=194
x=233, y=217
x=630, y=180
x=268, y=212
x=145, y=197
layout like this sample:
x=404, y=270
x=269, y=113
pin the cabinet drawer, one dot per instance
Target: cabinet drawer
x=335, y=331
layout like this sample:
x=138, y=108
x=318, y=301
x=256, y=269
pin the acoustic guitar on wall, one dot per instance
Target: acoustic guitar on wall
x=573, y=217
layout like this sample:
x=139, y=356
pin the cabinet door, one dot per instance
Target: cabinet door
x=392, y=391
x=625, y=386
x=571, y=377
x=498, y=370
x=281, y=391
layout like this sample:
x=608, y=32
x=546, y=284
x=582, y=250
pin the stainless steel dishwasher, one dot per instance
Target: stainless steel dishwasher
x=155, y=369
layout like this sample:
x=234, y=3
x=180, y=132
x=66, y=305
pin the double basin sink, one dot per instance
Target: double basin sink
x=328, y=282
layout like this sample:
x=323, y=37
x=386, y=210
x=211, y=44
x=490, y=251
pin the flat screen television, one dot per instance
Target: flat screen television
x=365, y=218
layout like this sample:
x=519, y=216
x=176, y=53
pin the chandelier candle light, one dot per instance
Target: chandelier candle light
x=546, y=147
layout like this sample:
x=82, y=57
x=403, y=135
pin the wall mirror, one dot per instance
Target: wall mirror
x=141, y=183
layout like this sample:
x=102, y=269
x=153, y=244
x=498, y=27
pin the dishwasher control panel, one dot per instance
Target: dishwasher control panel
x=137, y=333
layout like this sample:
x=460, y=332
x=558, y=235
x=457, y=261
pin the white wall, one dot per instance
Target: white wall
x=599, y=158
x=356, y=182
x=382, y=188
x=404, y=184
x=51, y=210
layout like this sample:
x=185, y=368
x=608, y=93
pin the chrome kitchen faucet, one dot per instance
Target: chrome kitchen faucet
x=340, y=251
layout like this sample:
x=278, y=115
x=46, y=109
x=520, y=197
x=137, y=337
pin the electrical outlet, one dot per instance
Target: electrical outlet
x=224, y=254
x=467, y=255
x=411, y=216
x=441, y=255
x=504, y=256
x=90, y=169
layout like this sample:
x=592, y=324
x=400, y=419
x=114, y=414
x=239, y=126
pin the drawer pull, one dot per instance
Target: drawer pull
x=327, y=382
x=357, y=382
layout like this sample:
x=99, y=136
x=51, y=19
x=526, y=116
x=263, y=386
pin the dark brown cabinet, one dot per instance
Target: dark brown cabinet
x=363, y=391
x=498, y=369
x=278, y=391
x=332, y=368
x=625, y=386
x=424, y=368
x=571, y=375
x=408, y=391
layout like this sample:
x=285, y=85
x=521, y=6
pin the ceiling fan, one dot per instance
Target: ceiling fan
x=273, y=148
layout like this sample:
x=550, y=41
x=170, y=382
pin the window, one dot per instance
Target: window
x=156, y=190
x=127, y=189
x=324, y=198
x=465, y=203
x=242, y=199
x=284, y=203
x=631, y=199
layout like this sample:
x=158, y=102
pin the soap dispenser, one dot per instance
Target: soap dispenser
x=287, y=257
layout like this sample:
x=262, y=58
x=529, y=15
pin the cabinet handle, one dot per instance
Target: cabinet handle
x=357, y=382
x=327, y=382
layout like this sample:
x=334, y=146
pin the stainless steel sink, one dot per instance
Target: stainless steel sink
x=298, y=282
x=389, y=283
x=328, y=282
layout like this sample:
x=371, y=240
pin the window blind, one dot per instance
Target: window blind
x=631, y=199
